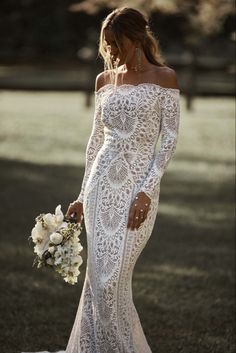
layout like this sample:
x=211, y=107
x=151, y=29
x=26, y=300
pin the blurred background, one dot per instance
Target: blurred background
x=183, y=283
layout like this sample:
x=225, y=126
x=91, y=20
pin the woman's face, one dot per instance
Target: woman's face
x=128, y=47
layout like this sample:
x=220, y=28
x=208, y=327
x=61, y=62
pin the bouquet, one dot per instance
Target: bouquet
x=57, y=245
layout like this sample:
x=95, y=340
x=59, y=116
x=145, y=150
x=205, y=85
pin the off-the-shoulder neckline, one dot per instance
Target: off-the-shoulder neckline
x=132, y=85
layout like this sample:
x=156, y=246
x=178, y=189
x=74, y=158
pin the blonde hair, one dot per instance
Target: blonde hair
x=134, y=25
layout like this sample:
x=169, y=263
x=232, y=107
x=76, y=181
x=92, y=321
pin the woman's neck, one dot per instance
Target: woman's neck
x=145, y=65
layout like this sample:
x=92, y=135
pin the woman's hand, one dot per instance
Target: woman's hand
x=138, y=210
x=77, y=208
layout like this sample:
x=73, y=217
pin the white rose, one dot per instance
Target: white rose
x=56, y=238
x=51, y=249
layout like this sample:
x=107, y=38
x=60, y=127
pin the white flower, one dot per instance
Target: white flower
x=79, y=247
x=51, y=249
x=58, y=261
x=41, y=247
x=63, y=225
x=59, y=251
x=75, y=271
x=50, y=261
x=76, y=260
x=56, y=238
x=38, y=233
x=77, y=232
x=54, y=221
x=71, y=280
x=50, y=222
x=59, y=215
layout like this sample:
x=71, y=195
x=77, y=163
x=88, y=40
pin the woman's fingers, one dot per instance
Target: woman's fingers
x=133, y=221
x=138, y=211
x=79, y=217
x=142, y=216
x=137, y=219
x=145, y=212
x=71, y=209
x=77, y=209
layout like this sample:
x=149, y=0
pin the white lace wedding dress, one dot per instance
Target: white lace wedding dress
x=121, y=160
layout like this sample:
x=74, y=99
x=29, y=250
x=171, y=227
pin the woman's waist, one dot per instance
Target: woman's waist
x=127, y=149
x=132, y=158
x=127, y=163
x=136, y=161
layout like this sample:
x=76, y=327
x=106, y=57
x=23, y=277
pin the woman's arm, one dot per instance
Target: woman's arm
x=170, y=114
x=94, y=144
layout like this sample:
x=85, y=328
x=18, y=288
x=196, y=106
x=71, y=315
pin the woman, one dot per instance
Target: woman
x=135, y=97
x=136, y=100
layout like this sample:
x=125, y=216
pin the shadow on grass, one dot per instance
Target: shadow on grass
x=182, y=285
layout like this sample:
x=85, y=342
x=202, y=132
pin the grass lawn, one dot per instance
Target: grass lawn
x=183, y=283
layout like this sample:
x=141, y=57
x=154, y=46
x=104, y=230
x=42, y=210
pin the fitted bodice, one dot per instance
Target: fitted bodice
x=131, y=118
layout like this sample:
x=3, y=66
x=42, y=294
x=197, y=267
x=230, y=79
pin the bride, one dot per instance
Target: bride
x=136, y=102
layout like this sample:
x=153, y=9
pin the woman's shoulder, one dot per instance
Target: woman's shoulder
x=102, y=79
x=166, y=77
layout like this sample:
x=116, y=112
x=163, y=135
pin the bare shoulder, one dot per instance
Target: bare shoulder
x=167, y=77
x=101, y=80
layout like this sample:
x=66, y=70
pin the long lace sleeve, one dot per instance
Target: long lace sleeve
x=170, y=114
x=94, y=144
